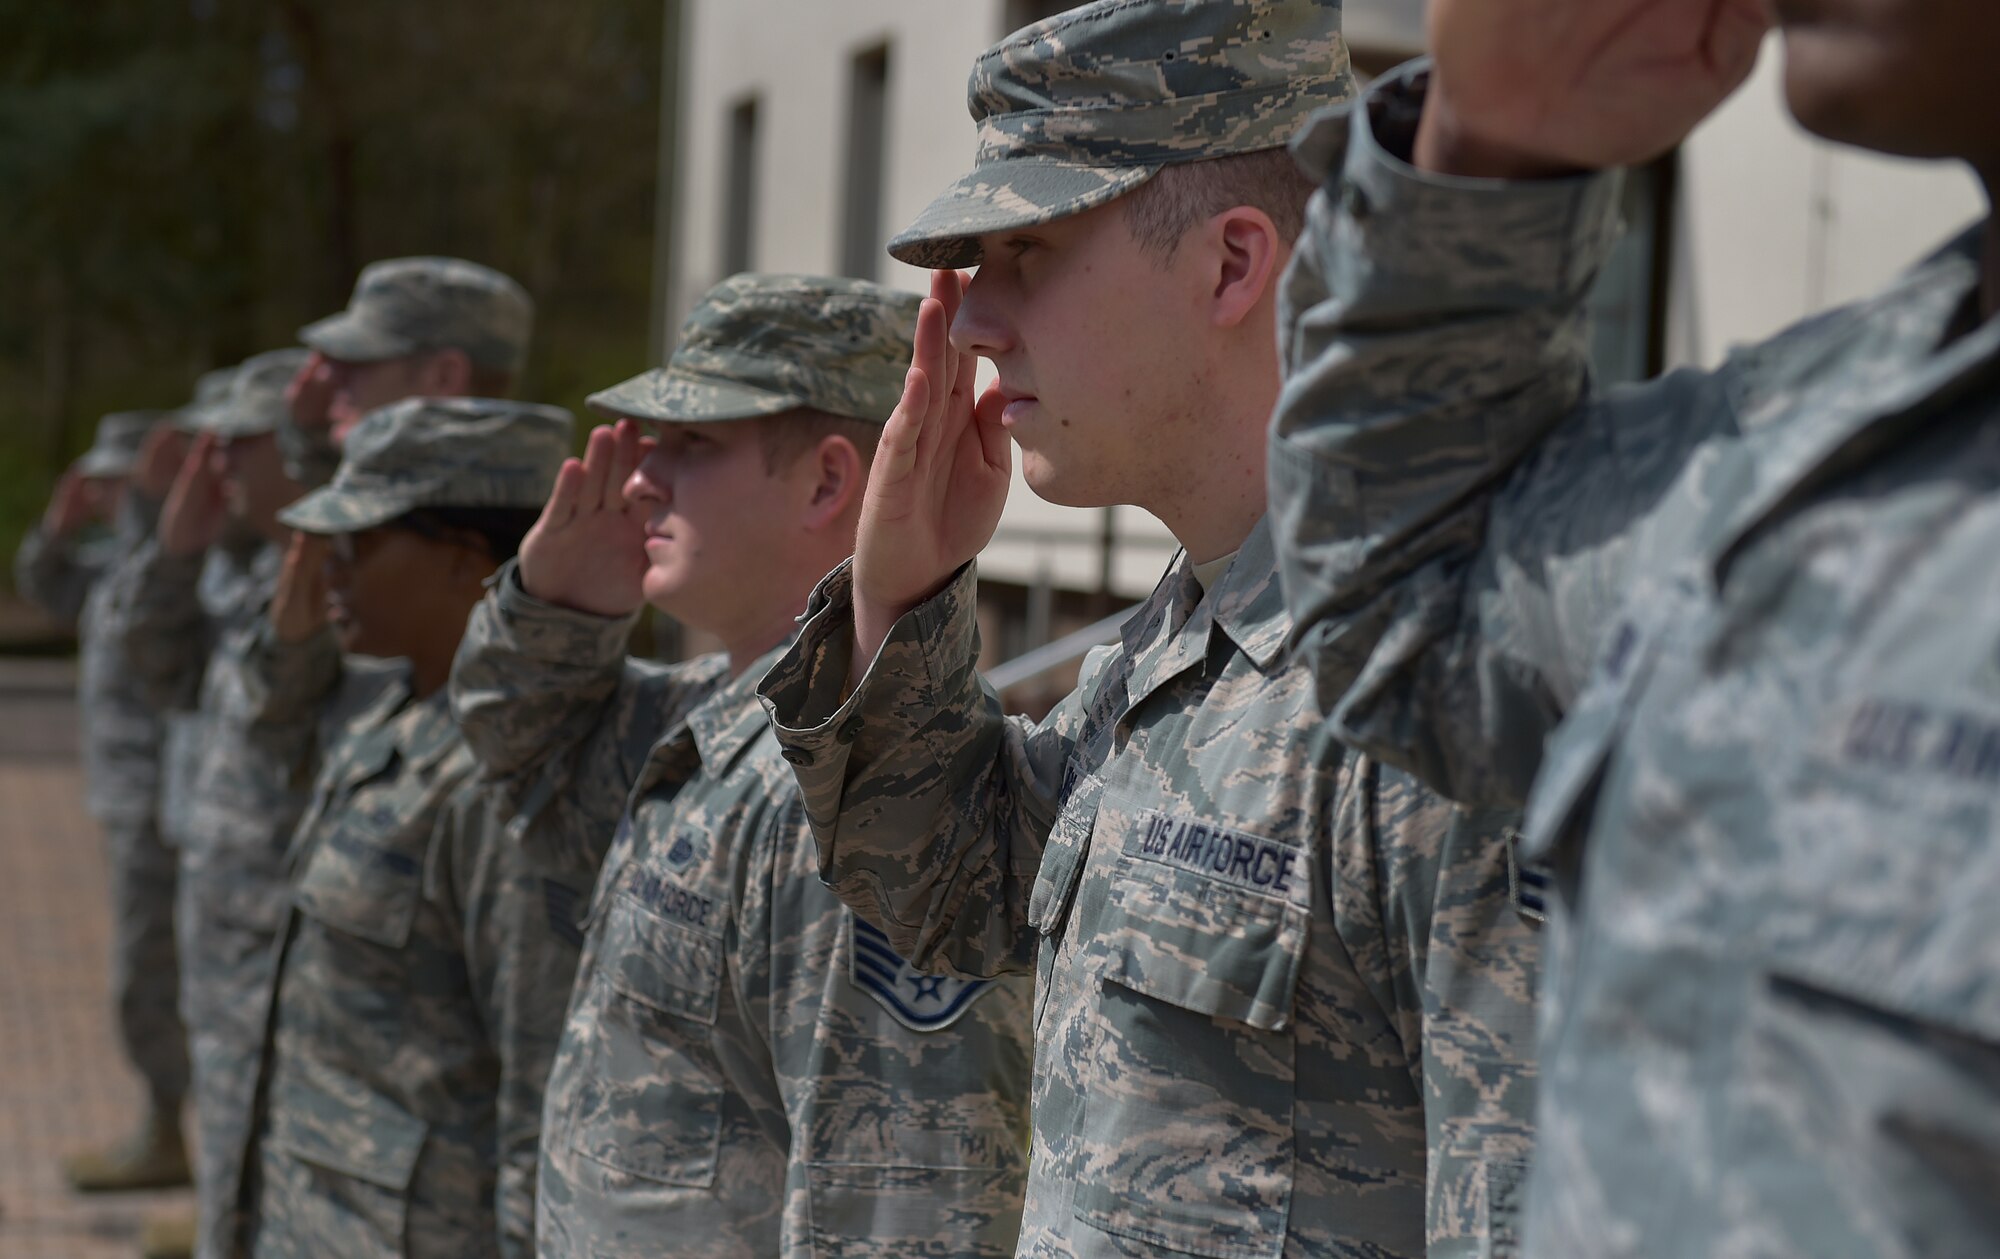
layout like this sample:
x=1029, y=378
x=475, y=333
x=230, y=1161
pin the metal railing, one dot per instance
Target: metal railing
x=1030, y=665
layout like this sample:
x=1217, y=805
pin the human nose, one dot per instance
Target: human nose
x=982, y=327
x=651, y=482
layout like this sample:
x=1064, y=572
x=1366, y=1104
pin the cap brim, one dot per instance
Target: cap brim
x=330, y=509
x=105, y=463
x=353, y=340
x=674, y=396
x=1006, y=196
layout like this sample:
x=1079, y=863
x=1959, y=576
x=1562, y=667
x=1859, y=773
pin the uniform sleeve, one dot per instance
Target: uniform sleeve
x=907, y=1135
x=1454, y=508
x=930, y=807
x=1426, y=905
x=52, y=575
x=289, y=684
x=535, y=685
x=517, y=890
x=153, y=614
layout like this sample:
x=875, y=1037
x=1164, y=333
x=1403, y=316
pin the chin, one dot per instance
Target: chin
x=664, y=592
x=1845, y=86
x=1065, y=487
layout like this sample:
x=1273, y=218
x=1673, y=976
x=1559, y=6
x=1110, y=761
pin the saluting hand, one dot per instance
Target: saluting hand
x=192, y=519
x=588, y=549
x=1529, y=88
x=298, y=605
x=77, y=501
x=939, y=479
x=310, y=393
x=160, y=458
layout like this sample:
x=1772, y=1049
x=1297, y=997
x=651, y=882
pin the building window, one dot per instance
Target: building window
x=1020, y=13
x=862, y=238
x=739, y=190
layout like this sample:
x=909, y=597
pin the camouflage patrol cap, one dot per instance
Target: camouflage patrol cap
x=255, y=404
x=211, y=391
x=766, y=344
x=438, y=452
x=1081, y=108
x=405, y=306
x=114, y=451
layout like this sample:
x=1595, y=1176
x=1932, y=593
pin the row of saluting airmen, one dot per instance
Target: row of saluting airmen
x=493, y=939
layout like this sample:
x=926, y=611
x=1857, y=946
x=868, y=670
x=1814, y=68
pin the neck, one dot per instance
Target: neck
x=429, y=671
x=745, y=649
x=757, y=634
x=1218, y=497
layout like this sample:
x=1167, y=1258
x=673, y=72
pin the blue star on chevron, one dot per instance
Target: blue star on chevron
x=920, y=1002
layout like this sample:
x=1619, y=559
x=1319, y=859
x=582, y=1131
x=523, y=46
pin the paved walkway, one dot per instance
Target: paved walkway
x=62, y=1083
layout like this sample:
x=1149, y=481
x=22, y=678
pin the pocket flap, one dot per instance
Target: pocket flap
x=660, y=963
x=1205, y=945
x=323, y=1117
x=357, y=885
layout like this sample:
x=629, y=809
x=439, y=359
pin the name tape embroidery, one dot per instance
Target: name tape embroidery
x=1894, y=735
x=1249, y=861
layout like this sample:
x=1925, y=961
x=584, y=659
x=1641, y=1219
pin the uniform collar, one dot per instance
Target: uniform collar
x=1171, y=632
x=1883, y=375
x=426, y=732
x=727, y=721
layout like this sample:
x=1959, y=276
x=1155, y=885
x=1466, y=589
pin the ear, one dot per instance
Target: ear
x=838, y=476
x=446, y=374
x=1248, y=256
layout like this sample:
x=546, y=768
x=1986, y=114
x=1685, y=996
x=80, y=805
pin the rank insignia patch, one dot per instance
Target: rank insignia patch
x=920, y=1002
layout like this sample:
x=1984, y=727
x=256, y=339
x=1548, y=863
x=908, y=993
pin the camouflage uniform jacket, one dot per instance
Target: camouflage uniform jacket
x=1761, y=604
x=422, y=976
x=229, y=800
x=1283, y=996
x=121, y=732
x=729, y=1083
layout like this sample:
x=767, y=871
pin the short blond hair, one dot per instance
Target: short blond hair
x=1160, y=211
x=789, y=436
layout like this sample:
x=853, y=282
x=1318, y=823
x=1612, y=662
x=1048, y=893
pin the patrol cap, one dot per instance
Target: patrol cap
x=438, y=452
x=766, y=344
x=405, y=306
x=255, y=404
x=114, y=451
x=1081, y=108
x=211, y=390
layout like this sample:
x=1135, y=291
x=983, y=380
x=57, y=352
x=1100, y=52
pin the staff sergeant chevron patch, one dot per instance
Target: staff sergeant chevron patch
x=920, y=1002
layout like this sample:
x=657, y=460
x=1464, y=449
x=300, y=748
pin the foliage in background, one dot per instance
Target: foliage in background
x=184, y=183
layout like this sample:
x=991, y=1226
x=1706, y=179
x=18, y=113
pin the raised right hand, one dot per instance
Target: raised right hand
x=298, y=605
x=588, y=549
x=309, y=393
x=1527, y=88
x=195, y=510
x=75, y=503
x=160, y=458
x=939, y=480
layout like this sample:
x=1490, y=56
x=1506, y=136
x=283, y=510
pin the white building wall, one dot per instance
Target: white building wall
x=1774, y=225
x=1769, y=226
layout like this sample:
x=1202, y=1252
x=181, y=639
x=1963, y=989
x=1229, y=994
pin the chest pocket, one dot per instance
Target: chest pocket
x=364, y=875
x=344, y=1158
x=1188, y=1138
x=648, y=1100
